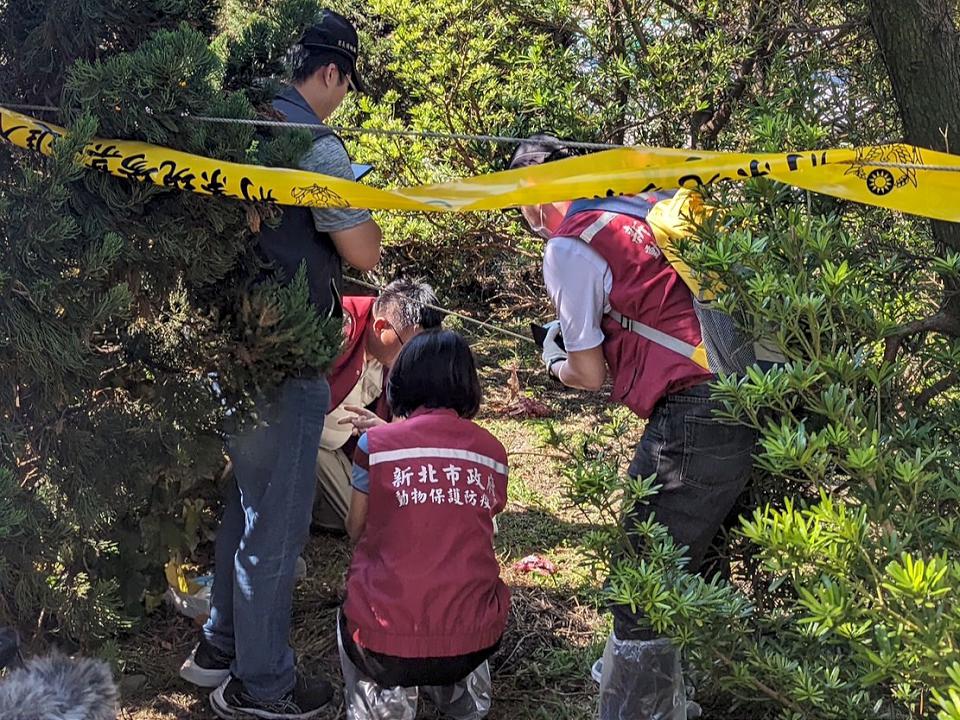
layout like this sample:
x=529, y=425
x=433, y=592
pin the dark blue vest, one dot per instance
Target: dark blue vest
x=296, y=240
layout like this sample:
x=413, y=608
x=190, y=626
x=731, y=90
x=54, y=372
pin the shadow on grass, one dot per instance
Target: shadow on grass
x=536, y=530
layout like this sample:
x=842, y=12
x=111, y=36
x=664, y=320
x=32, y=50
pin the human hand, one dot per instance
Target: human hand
x=362, y=419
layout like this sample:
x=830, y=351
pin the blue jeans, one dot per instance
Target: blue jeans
x=266, y=522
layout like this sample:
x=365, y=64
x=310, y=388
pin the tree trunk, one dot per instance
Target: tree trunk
x=920, y=45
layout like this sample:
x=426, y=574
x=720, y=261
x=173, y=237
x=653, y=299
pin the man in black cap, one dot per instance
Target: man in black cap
x=324, y=71
x=244, y=649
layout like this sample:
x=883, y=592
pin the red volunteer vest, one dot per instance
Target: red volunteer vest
x=424, y=580
x=346, y=369
x=646, y=289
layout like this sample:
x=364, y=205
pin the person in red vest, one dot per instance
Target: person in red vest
x=375, y=329
x=625, y=313
x=425, y=606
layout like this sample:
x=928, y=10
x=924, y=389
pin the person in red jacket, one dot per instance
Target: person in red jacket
x=375, y=329
x=624, y=311
x=425, y=606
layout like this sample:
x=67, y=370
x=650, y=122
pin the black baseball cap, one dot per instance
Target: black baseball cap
x=333, y=33
x=538, y=149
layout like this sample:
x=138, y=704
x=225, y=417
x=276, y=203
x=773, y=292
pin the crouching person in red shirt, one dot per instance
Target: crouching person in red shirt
x=425, y=606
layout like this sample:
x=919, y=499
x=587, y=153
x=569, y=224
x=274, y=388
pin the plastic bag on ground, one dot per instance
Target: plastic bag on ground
x=190, y=596
x=641, y=680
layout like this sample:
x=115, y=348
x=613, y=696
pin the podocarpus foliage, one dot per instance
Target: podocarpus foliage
x=118, y=298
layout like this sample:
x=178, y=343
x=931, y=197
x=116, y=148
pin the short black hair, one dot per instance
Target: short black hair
x=304, y=62
x=435, y=370
x=406, y=303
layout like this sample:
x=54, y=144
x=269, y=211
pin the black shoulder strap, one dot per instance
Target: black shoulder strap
x=293, y=111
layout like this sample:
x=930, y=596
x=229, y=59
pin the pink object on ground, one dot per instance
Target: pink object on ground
x=537, y=564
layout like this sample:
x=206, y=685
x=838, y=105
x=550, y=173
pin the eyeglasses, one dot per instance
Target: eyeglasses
x=346, y=77
x=397, y=333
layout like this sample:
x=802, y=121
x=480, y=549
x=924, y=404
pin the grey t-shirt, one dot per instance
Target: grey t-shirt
x=329, y=157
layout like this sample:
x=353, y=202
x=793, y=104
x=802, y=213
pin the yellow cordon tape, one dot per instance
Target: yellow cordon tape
x=898, y=177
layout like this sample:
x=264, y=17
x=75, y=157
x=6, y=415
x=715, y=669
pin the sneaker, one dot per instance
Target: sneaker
x=300, y=568
x=309, y=699
x=206, y=666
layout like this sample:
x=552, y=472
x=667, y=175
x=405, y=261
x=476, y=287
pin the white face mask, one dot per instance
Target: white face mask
x=536, y=222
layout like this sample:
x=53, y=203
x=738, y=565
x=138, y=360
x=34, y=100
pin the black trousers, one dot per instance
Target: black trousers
x=702, y=464
x=392, y=671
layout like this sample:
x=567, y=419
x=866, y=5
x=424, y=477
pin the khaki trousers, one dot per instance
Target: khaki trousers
x=333, y=489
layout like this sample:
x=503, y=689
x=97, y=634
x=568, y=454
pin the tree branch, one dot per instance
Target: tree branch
x=940, y=321
x=816, y=30
x=924, y=398
x=756, y=62
x=697, y=22
x=763, y=687
x=617, y=43
x=629, y=12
